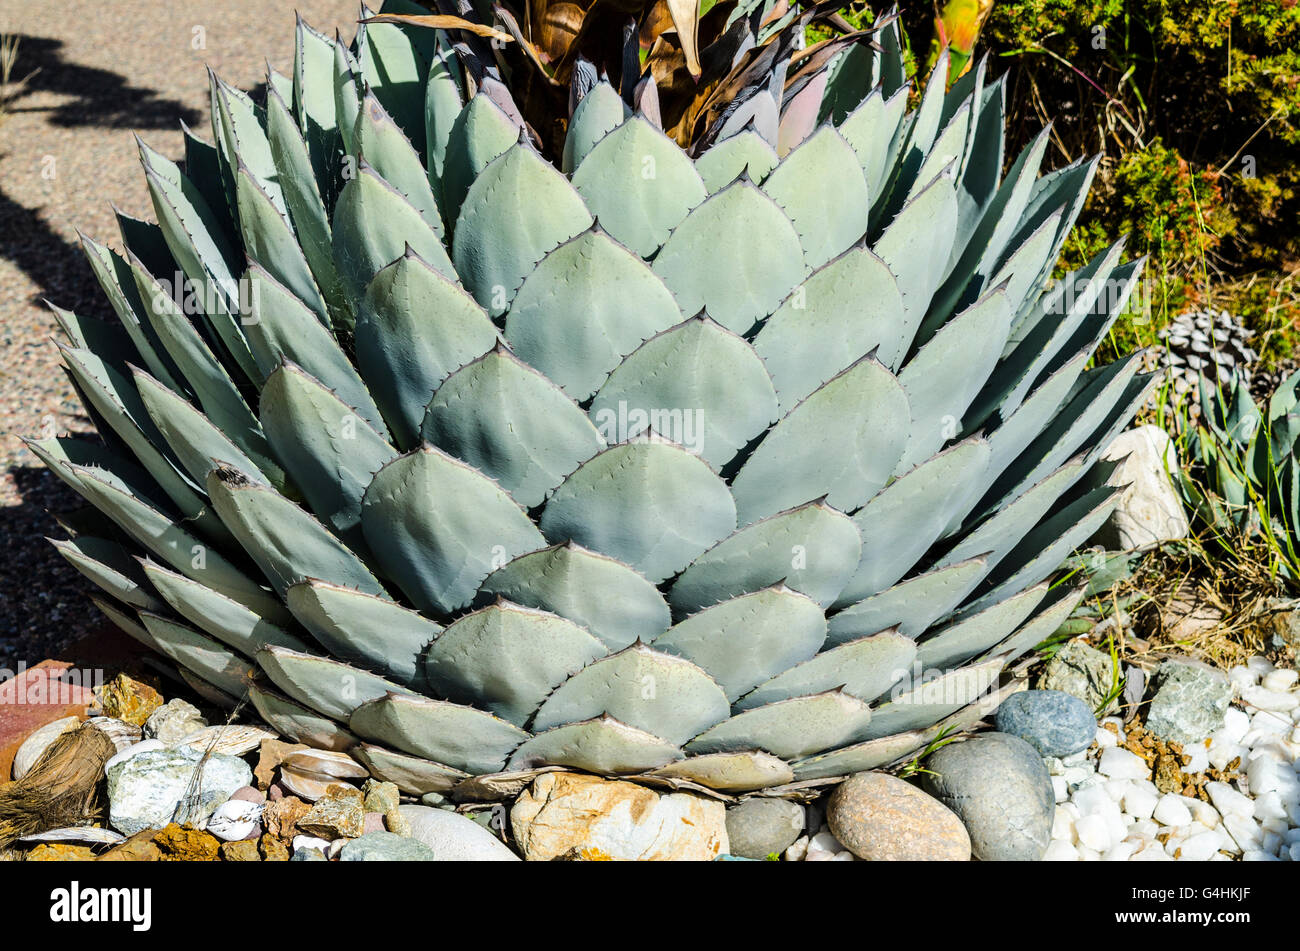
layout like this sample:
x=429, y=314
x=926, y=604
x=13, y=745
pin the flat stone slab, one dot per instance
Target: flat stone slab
x=34, y=697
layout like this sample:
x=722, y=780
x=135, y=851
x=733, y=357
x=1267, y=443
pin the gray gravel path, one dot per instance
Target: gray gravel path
x=96, y=72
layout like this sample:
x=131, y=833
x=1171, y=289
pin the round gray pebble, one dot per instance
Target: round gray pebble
x=1000, y=788
x=1052, y=722
x=758, y=827
x=385, y=847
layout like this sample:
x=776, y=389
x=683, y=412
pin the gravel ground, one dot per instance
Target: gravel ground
x=95, y=74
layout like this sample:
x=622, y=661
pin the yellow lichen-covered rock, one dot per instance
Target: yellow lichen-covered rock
x=130, y=700
x=575, y=815
x=245, y=850
x=60, y=852
x=178, y=844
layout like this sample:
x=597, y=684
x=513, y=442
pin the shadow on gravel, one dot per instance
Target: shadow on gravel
x=99, y=97
x=43, y=603
x=56, y=266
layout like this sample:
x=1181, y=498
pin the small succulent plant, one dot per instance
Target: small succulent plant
x=738, y=463
x=1244, y=457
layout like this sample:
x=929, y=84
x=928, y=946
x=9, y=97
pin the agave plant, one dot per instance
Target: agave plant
x=1243, y=465
x=733, y=465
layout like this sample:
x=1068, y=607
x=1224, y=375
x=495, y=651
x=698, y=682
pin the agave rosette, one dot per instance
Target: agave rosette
x=733, y=466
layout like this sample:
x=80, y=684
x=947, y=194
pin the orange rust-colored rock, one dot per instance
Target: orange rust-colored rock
x=60, y=852
x=33, y=697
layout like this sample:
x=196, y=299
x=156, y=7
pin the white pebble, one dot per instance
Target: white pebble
x=1268, y=806
x=824, y=842
x=1255, y=855
x=1278, y=827
x=1094, y=801
x=1087, y=855
x=1059, y=850
x=797, y=850
x=1120, y=851
x=1063, y=826
x=1172, y=811
x=1077, y=775
x=1106, y=739
x=1260, y=666
x=1269, y=699
x=1224, y=751
x=1202, y=812
x=1270, y=721
x=1271, y=843
x=1119, y=763
x=1140, y=802
x=843, y=857
x=1244, y=832
x=1116, y=788
x=1266, y=775
x=1093, y=832
x=1242, y=677
x=1281, y=680
x=1236, y=724
x=1198, y=759
x=1200, y=847
x=1147, y=828
x=1228, y=801
x=1060, y=788
x=1152, y=853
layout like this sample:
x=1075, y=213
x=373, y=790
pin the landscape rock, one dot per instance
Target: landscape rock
x=1052, y=722
x=280, y=816
x=36, y=744
x=562, y=813
x=758, y=827
x=138, y=848
x=879, y=817
x=60, y=852
x=1000, y=788
x=386, y=847
x=1189, y=703
x=235, y=819
x=145, y=790
x=453, y=837
x=243, y=850
x=397, y=823
x=32, y=698
x=1081, y=671
x=124, y=735
x=271, y=754
x=173, y=721
x=381, y=797
x=181, y=844
x=126, y=699
x=1149, y=510
x=339, y=815
x=272, y=849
